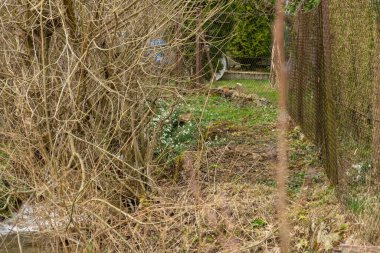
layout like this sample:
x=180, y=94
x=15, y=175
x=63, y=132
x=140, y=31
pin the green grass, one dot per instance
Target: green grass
x=302, y=154
x=219, y=109
x=259, y=87
x=207, y=111
x=355, y=205
x=295, y=181
x=258, y=223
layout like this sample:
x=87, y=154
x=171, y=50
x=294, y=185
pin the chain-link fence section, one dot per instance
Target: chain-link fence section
x=334, y=95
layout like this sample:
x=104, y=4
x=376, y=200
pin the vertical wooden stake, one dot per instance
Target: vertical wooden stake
x=301, y=68
x=198, y=53
x=177, y=70
x=282, y=166
x=318, y=88
x=330, y=145
x=376, y=100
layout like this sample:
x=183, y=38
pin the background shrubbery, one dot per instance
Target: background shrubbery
x=252, y=29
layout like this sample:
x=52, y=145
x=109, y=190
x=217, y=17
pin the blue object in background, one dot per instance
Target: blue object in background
x=156, y=43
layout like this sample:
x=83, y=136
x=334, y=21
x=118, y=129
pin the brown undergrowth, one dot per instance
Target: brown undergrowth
x=222, y=198
x=231, y=206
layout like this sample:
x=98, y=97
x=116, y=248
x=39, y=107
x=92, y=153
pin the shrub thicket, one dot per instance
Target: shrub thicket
x=252, y=29
x=79, y=85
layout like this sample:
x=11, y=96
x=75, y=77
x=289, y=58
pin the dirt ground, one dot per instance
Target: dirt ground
x=224, y=198
x=221, y=197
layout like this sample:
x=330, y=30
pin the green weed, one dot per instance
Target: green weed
x=258, y=223
x=296, y=180
x=355, y=204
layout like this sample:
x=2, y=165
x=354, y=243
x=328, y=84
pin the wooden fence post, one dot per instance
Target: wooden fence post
x=330, y=140
x=376, y=98
x=282, y=144
x=178, y=57
x=198, y=53
x=319, y=94
x=301, y=68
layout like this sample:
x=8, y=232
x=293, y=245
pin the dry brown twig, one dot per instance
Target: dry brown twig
x=79, y=87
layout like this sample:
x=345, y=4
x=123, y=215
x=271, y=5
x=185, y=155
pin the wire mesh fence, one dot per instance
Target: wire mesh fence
x=334, y=96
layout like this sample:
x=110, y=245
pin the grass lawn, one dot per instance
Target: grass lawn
x=259, y=87
x=218, y=108
x=212, y=110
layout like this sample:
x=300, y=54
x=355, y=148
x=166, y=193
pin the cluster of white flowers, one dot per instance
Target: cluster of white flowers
x=358, y=172
x=172, y=137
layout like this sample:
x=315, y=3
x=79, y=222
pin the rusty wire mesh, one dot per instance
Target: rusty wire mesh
x=334, y=96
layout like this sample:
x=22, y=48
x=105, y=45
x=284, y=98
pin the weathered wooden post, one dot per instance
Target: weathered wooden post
x=178, y=55
x=319, y=94
x=178, y=58
x=301, y=67
x=198, y=52
x=282, y=145
x=329, y=128
x=376, y=97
